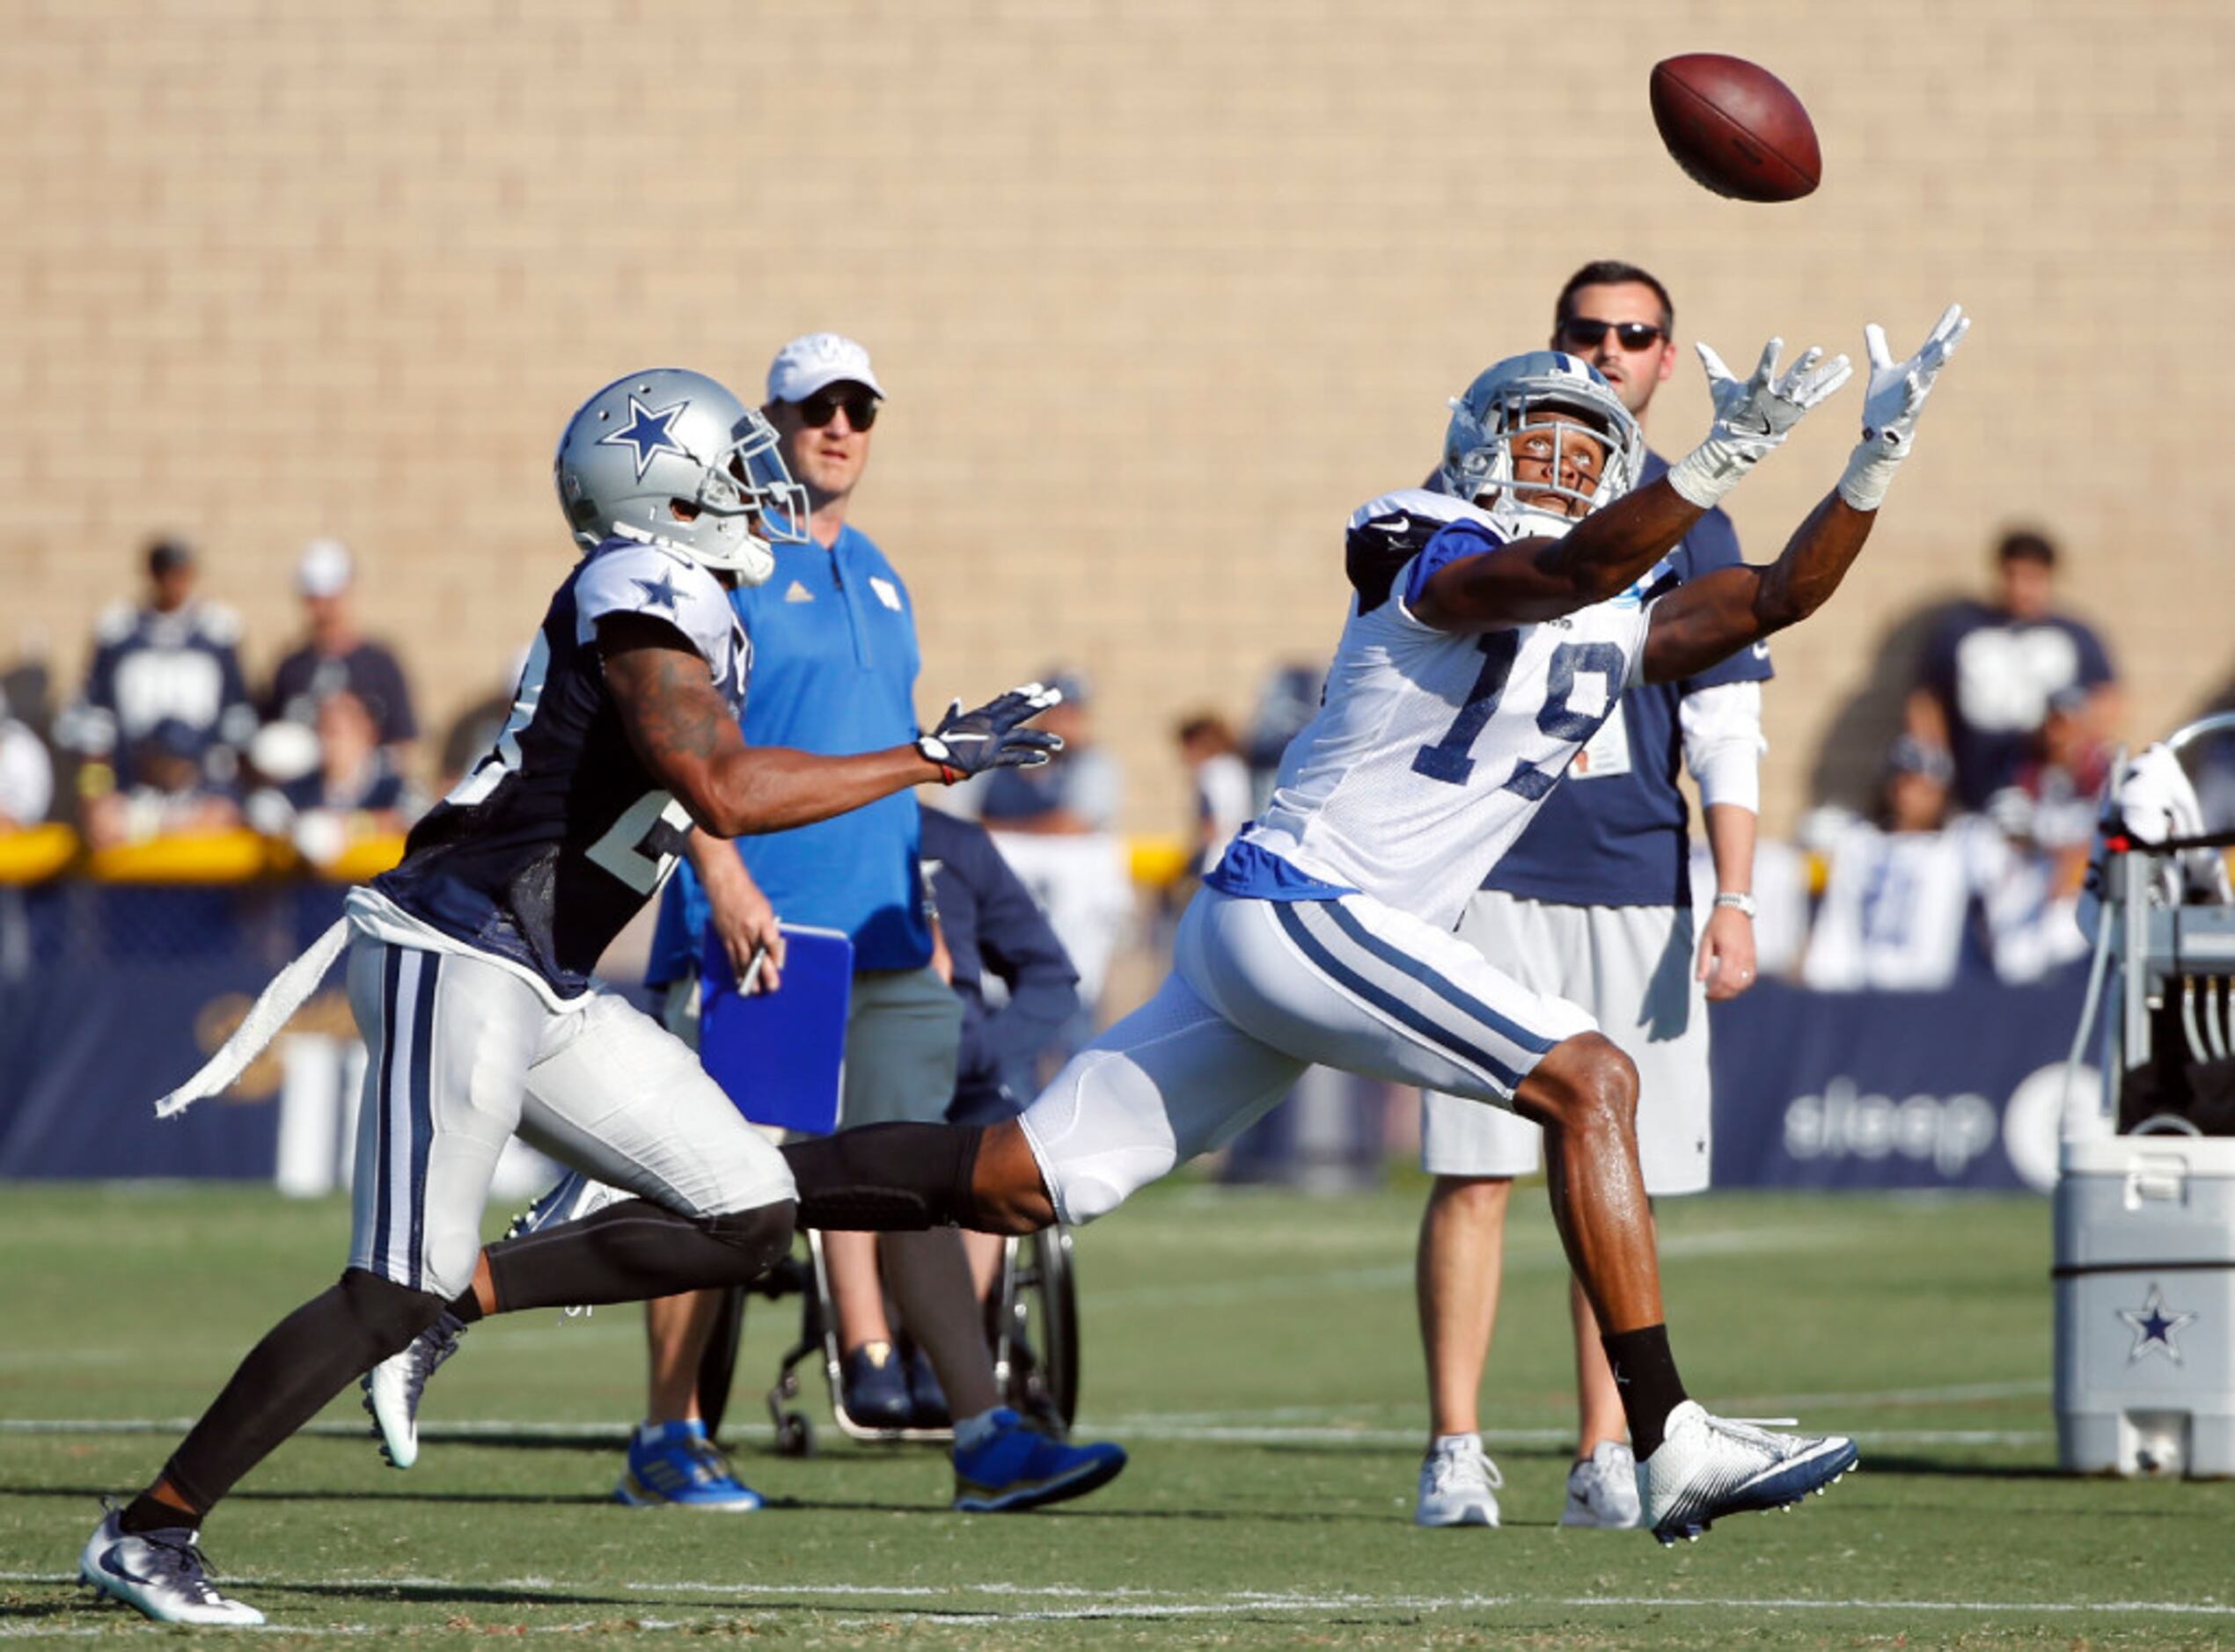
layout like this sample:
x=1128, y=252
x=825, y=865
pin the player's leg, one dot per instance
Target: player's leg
x=449, y=1041
x=618, y=1098
x=1642, y=985
x=1354, y=982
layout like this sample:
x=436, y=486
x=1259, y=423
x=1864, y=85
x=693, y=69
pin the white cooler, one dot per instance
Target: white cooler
x=2145, y=1305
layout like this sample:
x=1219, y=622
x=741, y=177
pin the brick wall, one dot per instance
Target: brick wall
x=1160, y=289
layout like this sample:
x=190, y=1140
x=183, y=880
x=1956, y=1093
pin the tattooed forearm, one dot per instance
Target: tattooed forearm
x=688, y=740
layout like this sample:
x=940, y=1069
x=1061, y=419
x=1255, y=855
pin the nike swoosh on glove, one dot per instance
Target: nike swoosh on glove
x=992, y=736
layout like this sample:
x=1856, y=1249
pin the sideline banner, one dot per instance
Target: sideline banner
x=1963, y=1088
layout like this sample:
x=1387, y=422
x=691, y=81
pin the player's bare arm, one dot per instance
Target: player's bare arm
x=689, y=739
x=1715, y=616
x=1532, y=579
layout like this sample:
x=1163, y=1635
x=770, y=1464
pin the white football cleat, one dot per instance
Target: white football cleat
x=1458, y=1484
x=1602, y=1489
x=161, y=1573
x=392, y=1388
x=1708, y=1467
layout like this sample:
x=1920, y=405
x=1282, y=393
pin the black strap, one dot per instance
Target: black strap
x=2075, y=1270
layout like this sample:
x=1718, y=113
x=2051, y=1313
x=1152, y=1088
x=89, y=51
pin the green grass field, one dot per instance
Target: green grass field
x=1256, y=1354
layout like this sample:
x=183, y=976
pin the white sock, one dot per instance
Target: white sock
x=1445, y=1442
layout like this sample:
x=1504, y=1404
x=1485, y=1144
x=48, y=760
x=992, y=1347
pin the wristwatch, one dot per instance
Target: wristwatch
x=1738, y=900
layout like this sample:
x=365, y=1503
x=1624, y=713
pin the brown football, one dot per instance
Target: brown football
x=1736, y=127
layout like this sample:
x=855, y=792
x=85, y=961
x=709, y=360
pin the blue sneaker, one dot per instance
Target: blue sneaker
x=875, y=1385
x=674, y=1463
x=1015, y=1467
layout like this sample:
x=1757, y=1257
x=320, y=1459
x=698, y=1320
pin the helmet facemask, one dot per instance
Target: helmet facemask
x=1480, y=462
x=753, y=503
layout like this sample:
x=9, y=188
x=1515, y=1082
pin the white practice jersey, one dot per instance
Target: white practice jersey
x=1432, y=749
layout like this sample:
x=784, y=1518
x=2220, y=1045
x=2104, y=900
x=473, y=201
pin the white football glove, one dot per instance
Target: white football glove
x=1895, y=396
x=1751, y=418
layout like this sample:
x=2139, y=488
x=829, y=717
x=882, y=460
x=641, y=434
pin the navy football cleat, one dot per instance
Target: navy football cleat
x=1708, y=1467
x=161, y=1573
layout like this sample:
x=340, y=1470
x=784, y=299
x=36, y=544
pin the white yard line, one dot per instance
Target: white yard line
x=1148, y=1427
x=1088, y=1603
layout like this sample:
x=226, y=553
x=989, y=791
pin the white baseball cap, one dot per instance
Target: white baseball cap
x=816, y=358
x=325, y=569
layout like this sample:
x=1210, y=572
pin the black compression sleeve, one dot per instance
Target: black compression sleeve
x=886, y=1178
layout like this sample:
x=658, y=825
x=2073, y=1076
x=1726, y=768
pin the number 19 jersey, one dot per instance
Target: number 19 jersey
x=1431, y=750
x=552, y=843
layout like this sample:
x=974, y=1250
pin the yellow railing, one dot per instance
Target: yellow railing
x=227, y=856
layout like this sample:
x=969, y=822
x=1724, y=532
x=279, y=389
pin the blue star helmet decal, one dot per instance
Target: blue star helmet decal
x=2154, y=1328
x=648, y=433
x=658, y=593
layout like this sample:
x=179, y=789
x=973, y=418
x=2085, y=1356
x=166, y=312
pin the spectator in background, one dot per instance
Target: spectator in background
x=1289, y=699
x=26, y=775
x=1901, y=891
x=991, y=930
x=164, y=788
x=989, y=927
x=1991, y=667
x=1059, y=832
x=835, y=658
x=172, y=661
x=1079, y=792
x=1221, y=780
x=2052, y=799
x=337, y=656
x=353, y=792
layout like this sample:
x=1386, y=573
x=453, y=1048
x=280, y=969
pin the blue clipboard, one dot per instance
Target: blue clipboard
x=779, y=1055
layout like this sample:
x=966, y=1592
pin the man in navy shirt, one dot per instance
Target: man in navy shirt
x=1992, y=669
x=336, y=657
x=835, y=661
x=1593, y=903
x=173, y=661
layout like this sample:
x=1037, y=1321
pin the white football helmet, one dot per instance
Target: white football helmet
x=674, y=459
x=1477, y=450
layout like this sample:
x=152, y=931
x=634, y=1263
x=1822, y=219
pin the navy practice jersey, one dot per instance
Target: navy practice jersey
x=152, y=669
x=1619, y=833
x=551, y=845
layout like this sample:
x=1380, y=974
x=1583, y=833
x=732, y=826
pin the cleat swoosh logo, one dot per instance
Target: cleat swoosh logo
x=111, y=1562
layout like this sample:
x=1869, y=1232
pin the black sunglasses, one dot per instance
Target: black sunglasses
x=820, y=408
x=1584, y=332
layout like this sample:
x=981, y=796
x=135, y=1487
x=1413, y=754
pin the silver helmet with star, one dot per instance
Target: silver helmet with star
x=671, y=458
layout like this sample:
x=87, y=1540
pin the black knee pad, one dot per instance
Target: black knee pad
x=761, y=1236
x=388, y=1314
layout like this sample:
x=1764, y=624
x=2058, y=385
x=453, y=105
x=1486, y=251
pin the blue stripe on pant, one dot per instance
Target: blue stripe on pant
x=391, y=968
x=422, y=1110
x=1442, y=985
x=1353, y=982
